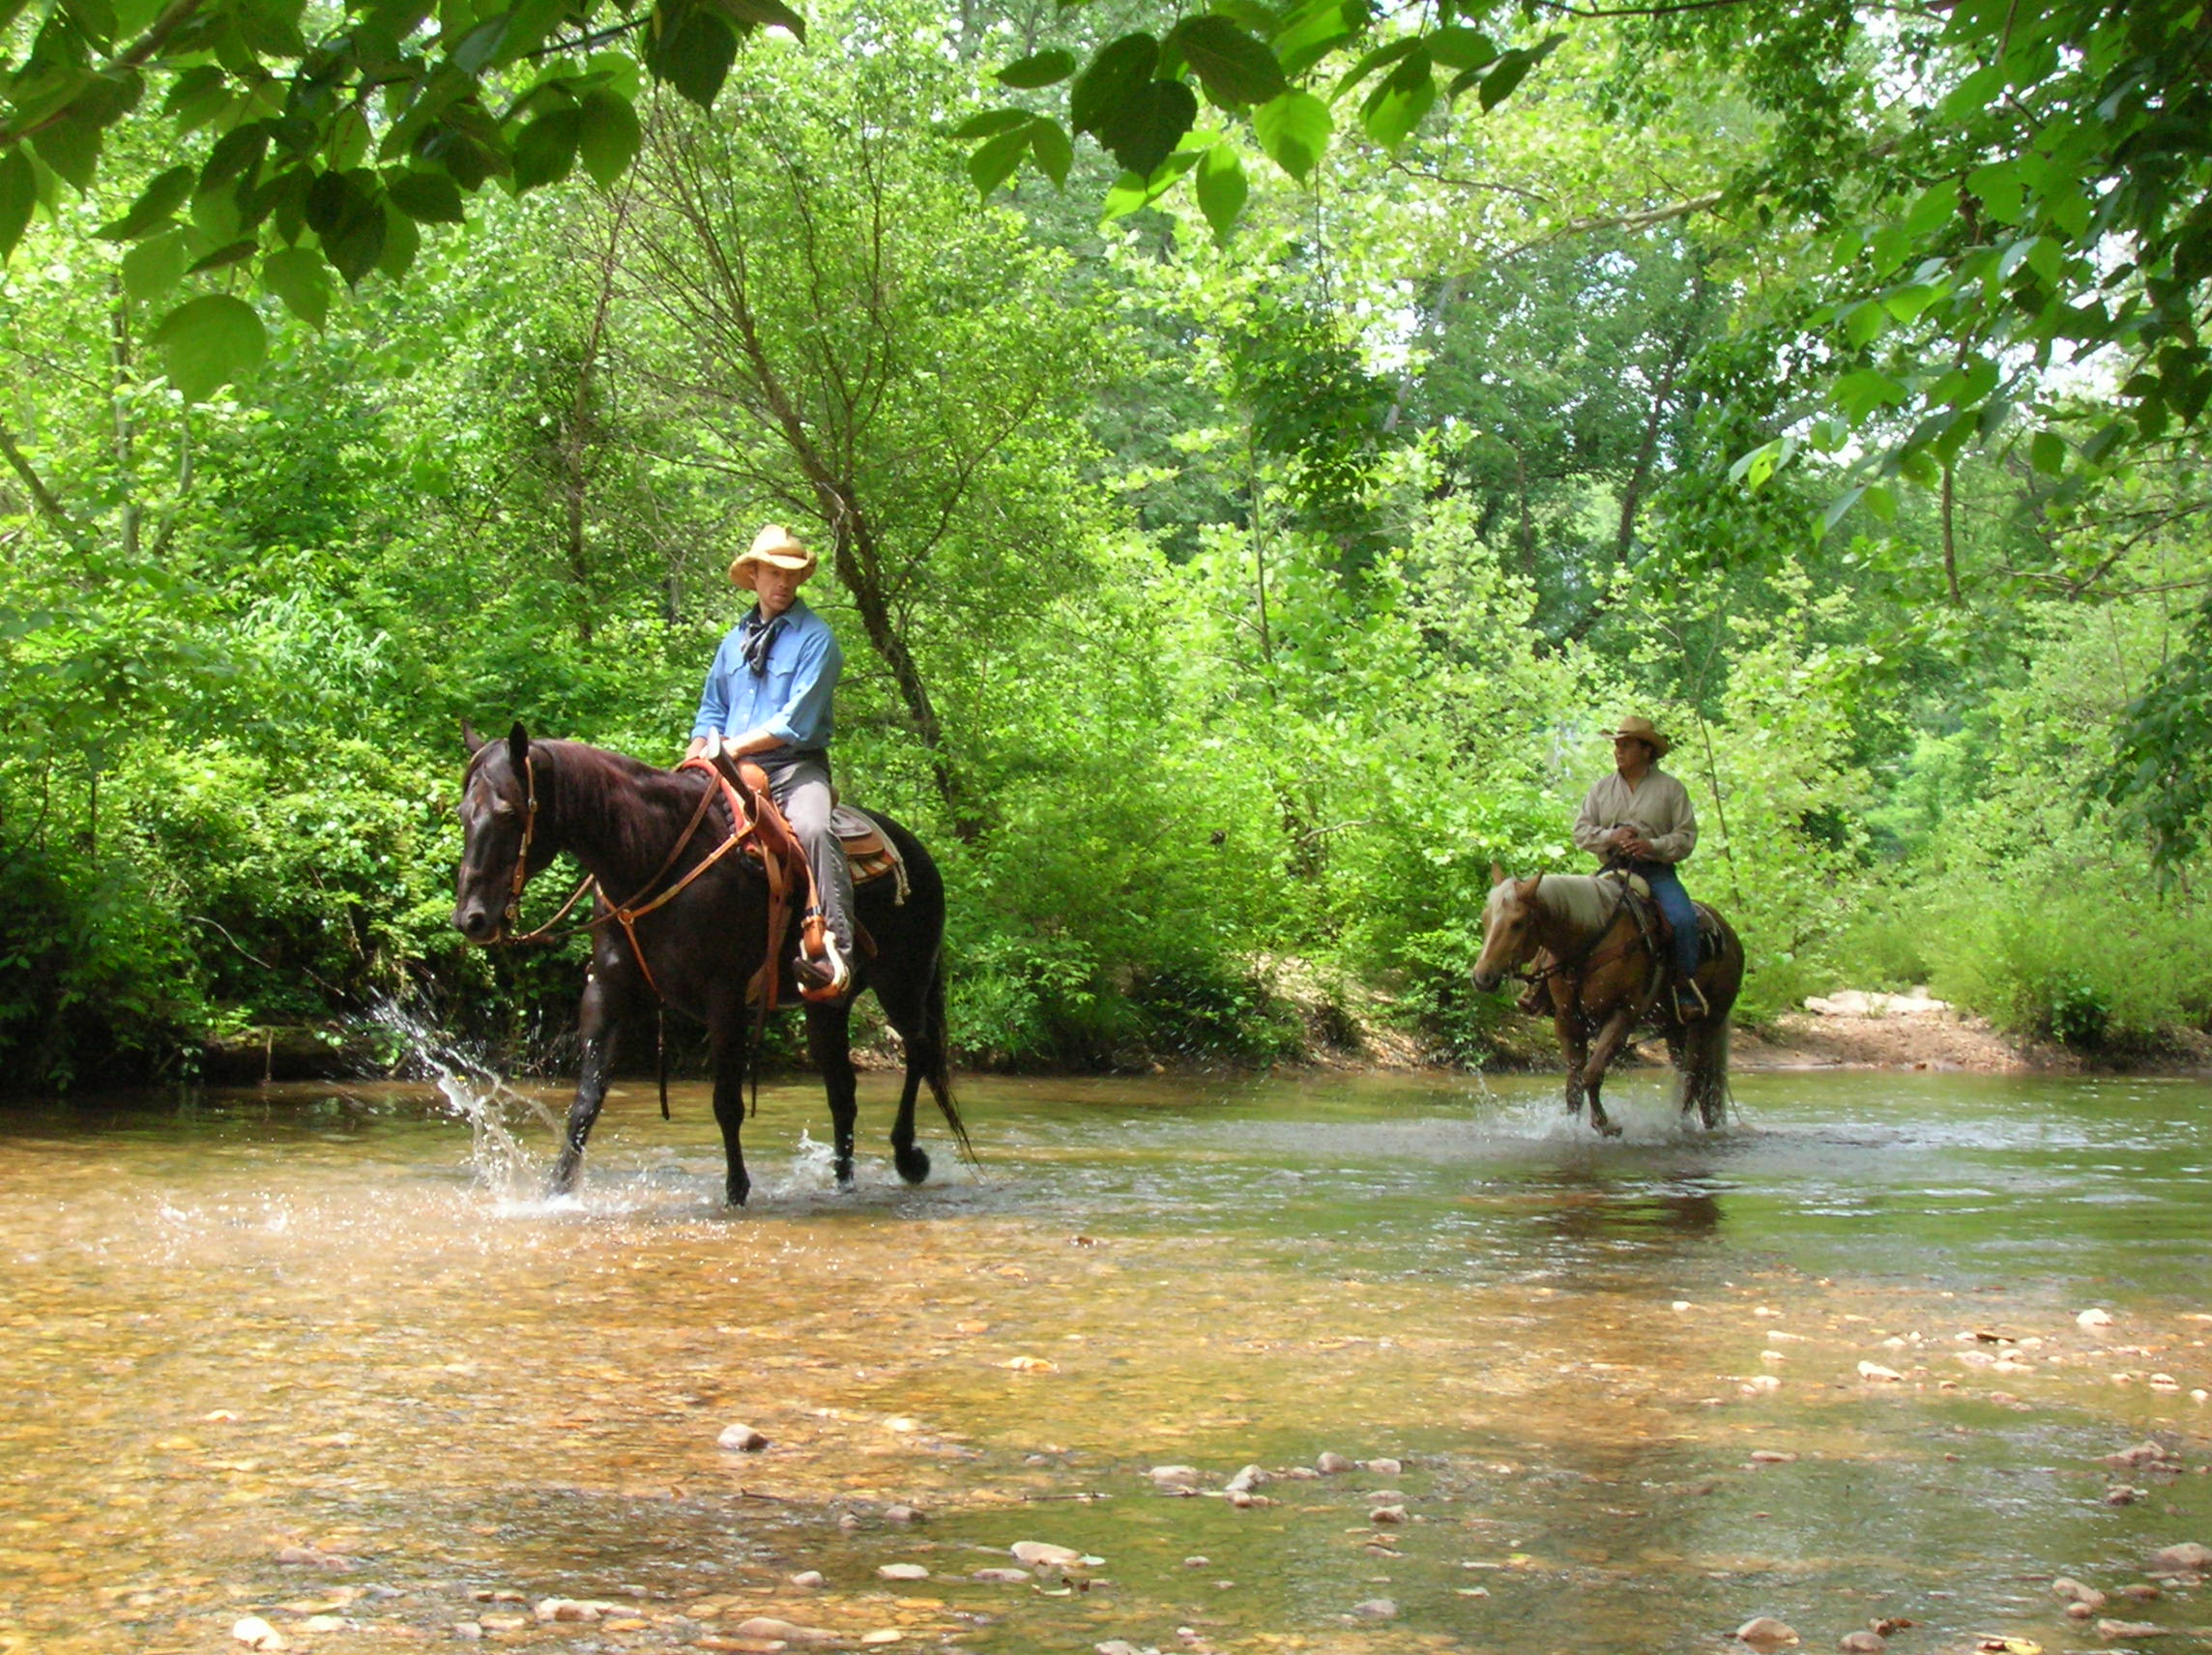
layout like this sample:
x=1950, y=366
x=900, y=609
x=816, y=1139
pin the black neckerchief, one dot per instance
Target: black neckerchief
x=757, y=636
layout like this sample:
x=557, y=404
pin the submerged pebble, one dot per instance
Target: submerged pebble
x=741, y=1439
x=1764, y=1632
x=1862, y=1643
x=256, y=1634
x=1377, y=1609
x=1331, y=1464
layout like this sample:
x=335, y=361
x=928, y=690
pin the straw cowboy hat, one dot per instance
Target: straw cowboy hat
x=1643, y=730
x=775, y=544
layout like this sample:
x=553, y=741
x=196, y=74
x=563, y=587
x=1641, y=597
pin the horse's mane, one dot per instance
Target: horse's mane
x=647, y=806
x=1583, y=900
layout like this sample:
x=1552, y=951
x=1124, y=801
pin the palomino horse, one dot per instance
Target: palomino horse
x=1602, y=972
x=694, y=928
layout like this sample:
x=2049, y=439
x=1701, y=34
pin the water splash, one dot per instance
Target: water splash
x=472, y=1089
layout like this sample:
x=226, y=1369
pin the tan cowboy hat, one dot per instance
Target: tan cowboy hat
x=775, y=544
x=1643, y=730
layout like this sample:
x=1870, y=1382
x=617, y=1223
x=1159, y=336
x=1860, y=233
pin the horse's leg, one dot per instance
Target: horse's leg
x=829, y=1043
x=1603, y=1050
x=599, y=1027
x=729, y=1031
x=1574, y=1046
x=917, y=1010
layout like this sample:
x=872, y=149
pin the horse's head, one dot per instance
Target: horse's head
x=499, y=808
x=1509, y=923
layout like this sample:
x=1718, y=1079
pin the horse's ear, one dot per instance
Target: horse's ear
x=470, y=740
x=518, y=746
x=1536, y=880
x=1496, y=874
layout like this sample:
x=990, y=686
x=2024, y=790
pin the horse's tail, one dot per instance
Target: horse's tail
x=939, y=1073
x=1705, y=1075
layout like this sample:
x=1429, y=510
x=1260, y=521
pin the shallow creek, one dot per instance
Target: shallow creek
x=324, y=1357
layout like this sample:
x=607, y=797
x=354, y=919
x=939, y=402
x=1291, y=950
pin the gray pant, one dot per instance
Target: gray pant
x=800, y=782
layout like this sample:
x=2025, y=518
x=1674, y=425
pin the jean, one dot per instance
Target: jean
x=800, y=781
x=1675, y=902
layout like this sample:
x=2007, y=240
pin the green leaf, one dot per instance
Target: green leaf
x=2047, y=452
x=1512, y=68
x=350, y=223
x=1312, y=30
x=1050, y=144
x=18, y=195
x=1157, y=117
x=1221, y=189
x=233, y=252
x=237, y=153
x=1974, y=94
x=208, y=343
x=546, y=149
x=1040, y=69
x=764, y=15
x=693, y=53
x=1382, y=57
x=1395, y=107
x=295, y=274
x=1860, y=393
x=990, y=124
x=1882, y=500
x=155, y=264
x=1459, y=47
x=1105, y=92
x=610, y=136
x=72, y=148
x=1235, y=68
x=1294, y=131
x=1132, y=190
x=431, y=197
x=401, y=241
x=151, y=210
x=994, y=164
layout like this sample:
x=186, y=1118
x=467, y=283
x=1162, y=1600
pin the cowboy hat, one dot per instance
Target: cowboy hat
x=775, y=544
x=1643, y=730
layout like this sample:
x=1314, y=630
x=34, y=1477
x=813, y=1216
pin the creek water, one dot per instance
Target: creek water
x=325, y=1357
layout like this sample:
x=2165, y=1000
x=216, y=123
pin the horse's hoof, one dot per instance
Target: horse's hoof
x=913, y=1163
x=845, y=1174
x=734, y=1195
x=1607, y=1128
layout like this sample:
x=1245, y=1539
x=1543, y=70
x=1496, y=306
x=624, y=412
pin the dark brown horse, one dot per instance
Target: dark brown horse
x=524, y=802
x=1602, y=972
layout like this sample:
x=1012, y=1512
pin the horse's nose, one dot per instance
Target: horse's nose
x=1484, y=982
x=475, y=921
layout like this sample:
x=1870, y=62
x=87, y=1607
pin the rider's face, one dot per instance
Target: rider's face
x=1630, y=755
x=775, y=588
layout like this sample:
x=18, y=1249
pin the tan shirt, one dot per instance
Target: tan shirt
x=1658, y=808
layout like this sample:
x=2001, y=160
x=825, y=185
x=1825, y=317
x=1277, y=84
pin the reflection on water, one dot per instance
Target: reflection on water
x=329, y=1358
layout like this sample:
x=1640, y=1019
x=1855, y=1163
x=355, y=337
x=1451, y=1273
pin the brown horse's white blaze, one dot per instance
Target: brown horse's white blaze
x=1602, y=978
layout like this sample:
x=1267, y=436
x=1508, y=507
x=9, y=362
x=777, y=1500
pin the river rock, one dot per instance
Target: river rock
x=2122, y=1494
x=1332, y=1464
x=2113, y=1631
x=1001, y=1576
x=741, y=1439
x=1385, y=1467
x=257, y=1634
x=2142, y=1454
x=1173, y=1479
x=1387, y=1514
x=1862, y=1643
x=1873, y=1373
x=766, y=1627
x=2074, y=1591
x=1244, y=1481
x=903, y=1572
x=2094, y=1317
x=1764, y=1633
x=1377, y=1609
x=904, y=1514
x=1039, y=1552
x=2189, y=1554
x=1122, y=1647
x=311, y=1558
x=551, y=1610
x=2142, y=1591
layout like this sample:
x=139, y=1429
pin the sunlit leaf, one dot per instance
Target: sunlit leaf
x=1040, y=69
x=19, y=195
x=1293, y=129
x=1050, y=144
x=610, y=136
x=1235, y=68
x=295, y=274
x=208, y=343
x=151, y=211
x=1221, y=189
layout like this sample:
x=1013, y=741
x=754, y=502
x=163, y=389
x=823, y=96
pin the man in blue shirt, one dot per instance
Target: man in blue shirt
x=767, y=700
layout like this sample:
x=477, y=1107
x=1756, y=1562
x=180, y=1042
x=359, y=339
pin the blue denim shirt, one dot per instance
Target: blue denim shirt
x=791, y=700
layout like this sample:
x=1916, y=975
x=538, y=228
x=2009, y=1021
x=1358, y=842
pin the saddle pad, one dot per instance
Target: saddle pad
x=871, y=855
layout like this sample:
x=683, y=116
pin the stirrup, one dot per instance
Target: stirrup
x=1690, y=1003
x=826, y=978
